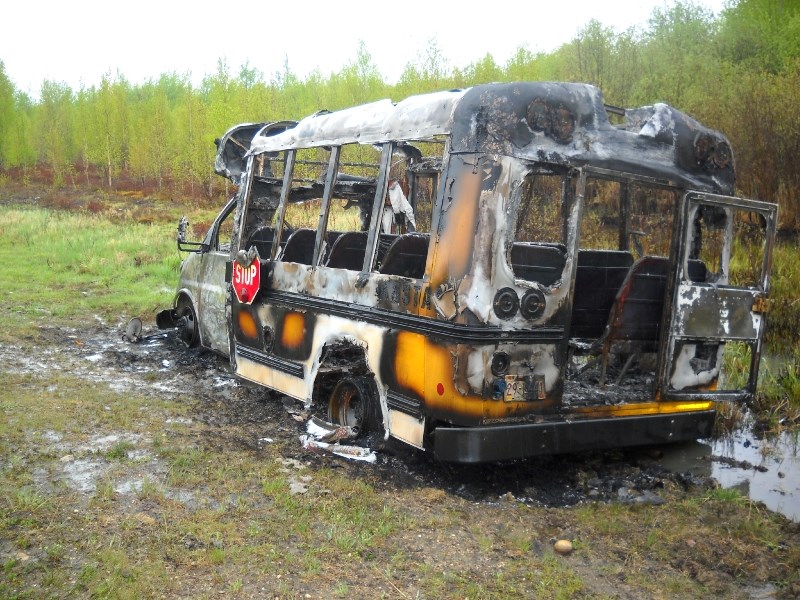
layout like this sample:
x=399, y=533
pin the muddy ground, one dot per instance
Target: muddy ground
x=224, y=415
x=241, y=415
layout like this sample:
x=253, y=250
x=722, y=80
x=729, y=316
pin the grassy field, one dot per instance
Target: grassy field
x=179, y=507
x=65, y=265
x=118, y=482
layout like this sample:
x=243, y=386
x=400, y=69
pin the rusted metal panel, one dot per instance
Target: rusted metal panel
x=717, y=313
x=707, y=314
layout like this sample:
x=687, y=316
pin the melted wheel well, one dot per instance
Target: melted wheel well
x=338, y=359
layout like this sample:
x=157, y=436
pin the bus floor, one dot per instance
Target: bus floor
x=583, y=386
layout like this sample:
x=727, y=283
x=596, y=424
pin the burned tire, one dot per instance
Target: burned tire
x=354, y=402
x=188, y=330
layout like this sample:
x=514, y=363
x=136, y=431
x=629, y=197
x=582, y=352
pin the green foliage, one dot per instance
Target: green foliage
x=738, y=72
x=590, y=54
x=6, y=113
x=63, y=264
x=761, y=34
x=358, y=82
x=427, y=73
x=54, y=128
x=762, y=116
x=483, y=71
x=111, y=144
x=678, y=65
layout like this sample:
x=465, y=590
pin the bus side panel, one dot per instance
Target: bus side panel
x=418, y=367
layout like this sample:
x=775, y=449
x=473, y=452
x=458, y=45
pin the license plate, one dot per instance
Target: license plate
x=515, y=389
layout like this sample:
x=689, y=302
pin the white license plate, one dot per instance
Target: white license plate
x=515, y=389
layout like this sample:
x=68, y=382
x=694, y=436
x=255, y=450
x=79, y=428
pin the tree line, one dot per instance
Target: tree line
x=738, y=72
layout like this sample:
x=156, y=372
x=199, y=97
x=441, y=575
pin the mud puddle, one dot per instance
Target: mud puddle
x=240, y=415
x=764, y=469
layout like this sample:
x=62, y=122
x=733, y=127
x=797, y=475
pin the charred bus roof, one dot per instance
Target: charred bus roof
x=232, y=148
x=557, y=123
x=415, y=118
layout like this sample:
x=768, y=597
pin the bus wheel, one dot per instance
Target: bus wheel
x=354, y=403
x=188, y=330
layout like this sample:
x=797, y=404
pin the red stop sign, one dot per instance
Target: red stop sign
x=246, y=280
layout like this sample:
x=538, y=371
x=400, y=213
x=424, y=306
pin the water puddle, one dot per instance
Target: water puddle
x=766, y=470
x=83, y=474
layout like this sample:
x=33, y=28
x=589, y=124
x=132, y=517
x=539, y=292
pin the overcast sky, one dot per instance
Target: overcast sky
x=77, y=41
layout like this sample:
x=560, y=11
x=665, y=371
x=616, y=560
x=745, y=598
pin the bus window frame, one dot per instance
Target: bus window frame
x=325, y=206
x=626, y=181
x=284, y=201
x=568, y=194
x=381, y=189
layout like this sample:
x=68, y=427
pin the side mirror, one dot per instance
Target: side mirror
x=183, y=245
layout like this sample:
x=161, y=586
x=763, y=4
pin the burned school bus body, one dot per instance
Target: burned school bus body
x=567, y=283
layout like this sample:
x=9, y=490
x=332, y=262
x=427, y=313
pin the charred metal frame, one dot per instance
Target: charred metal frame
x=716, y=297
x=470, y=359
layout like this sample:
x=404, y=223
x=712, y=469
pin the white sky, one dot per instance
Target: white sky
x=77, y=41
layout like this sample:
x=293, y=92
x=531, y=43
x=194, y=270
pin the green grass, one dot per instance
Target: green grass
x=245, y=526
x=61, y=265
x=119, y=451
x=347, y=536
x=306, y=214
x=783, y=318
x=777, y=400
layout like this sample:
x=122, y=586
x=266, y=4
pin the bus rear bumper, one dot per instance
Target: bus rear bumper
x=508, y=442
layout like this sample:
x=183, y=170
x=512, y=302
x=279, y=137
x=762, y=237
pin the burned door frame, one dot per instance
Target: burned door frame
x=739, y=308
x=212, y=266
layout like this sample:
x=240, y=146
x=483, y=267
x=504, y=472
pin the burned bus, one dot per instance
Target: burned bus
x=487, y=274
